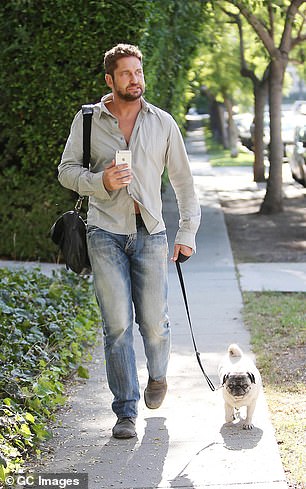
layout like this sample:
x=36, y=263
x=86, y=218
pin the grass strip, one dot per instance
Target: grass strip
x=277, y=323
x=218, y=156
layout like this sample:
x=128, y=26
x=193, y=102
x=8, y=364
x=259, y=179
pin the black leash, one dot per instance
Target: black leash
x=181, y=259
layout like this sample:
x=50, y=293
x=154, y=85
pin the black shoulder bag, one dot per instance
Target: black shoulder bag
x=69, y=230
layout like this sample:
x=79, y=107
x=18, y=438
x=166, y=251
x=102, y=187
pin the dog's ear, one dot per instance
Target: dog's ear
x=225, y=377
x=251, y=377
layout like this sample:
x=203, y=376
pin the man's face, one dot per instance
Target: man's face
x=128, y=80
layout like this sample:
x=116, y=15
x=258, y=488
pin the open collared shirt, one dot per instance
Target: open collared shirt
x=156, y=143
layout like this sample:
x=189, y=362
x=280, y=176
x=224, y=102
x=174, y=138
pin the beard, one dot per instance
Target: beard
x=129, y=96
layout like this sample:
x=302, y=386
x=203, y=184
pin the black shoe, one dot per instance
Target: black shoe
x=155, y=392
x=124, y=428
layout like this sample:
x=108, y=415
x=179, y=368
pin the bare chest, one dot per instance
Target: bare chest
x=126, y=126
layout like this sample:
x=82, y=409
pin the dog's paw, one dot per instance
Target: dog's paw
x=247, y=426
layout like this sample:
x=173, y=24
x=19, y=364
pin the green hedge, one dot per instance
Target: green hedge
x=52, y=54
x=170, y=45
x=47, y=325
x=28, y=208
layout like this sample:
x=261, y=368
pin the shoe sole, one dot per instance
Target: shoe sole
x=125, y=437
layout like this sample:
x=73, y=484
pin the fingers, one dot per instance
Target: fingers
x=175, y=252
x=184, y=250
x=116, y=176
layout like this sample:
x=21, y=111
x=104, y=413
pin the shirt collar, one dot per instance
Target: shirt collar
x=145, y=106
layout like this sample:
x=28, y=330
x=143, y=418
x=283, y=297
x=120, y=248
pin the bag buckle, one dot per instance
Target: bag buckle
x=78, y=204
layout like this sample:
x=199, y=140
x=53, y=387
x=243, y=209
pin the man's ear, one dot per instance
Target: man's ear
x=109, y=80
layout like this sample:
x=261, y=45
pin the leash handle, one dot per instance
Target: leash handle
x=180, y=275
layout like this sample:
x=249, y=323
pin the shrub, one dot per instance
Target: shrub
x=46, y=326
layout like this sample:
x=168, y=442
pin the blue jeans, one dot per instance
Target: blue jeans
x=131, y=270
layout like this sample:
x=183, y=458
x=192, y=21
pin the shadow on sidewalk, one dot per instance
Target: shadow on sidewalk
x=131, y=463
x=237, y=439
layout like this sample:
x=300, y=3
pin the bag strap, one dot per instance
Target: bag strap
x=87, y=111
x=180, y=275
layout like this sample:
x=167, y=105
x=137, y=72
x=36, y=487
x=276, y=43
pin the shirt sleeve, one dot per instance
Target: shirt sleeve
x=181, y=179
x=71, y=173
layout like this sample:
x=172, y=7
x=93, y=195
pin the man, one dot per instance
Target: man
x=127, y=240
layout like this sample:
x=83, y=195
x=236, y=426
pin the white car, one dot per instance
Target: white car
x=297, y=160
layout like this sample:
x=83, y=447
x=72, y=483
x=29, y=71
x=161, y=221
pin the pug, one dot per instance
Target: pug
x=241, y=383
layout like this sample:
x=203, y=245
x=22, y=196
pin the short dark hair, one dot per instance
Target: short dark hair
x=117, y=52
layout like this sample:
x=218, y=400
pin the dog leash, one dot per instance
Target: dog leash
x=181, y=259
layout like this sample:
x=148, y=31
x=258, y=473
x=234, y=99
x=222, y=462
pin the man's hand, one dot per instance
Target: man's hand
x=116, y=176
x=185, y=250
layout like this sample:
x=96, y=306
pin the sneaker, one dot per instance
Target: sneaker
x=155, y=392
x=124, y=428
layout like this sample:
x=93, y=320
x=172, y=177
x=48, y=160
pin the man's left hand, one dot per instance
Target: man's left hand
x=185, y=250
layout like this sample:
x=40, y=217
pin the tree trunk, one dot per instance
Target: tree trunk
x=216, y=121
x=273, y=201
x=231, y=129
x=224, y=138
x=260, y=95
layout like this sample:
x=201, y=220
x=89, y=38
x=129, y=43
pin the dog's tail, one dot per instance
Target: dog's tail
x=234, y=350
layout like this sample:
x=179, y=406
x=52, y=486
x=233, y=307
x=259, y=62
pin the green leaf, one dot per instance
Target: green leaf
x=41, y=432
x=25, y=430
x=30, y=417
x=83, y=372
x=3, y=472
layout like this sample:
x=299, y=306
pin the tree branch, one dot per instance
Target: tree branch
x=297, y=40
x=286, y=41
x=271, y=20
x=257, y=25
x=244, y=70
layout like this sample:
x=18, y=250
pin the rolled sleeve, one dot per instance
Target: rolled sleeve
x=187, y=232
x=92, y=184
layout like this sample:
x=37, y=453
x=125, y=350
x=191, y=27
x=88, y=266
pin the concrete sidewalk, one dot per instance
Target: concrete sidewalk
x=184, y=443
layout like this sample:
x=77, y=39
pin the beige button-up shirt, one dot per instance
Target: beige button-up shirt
x=156, y=143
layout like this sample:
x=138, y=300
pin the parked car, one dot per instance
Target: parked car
x=299, y=107
x=243, y=124
x=297, y=160
x=289, y=122
x=288, y=129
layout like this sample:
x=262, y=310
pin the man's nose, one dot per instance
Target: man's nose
x=134, y=77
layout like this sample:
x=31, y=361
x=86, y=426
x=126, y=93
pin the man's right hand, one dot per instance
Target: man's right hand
x=116, y=176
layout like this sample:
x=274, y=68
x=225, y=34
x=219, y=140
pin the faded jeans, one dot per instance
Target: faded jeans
x=131, y=278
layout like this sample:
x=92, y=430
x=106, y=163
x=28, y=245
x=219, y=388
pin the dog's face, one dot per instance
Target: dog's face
x=238, y=385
